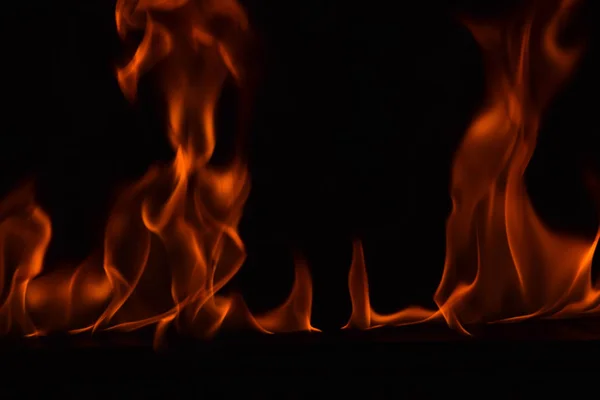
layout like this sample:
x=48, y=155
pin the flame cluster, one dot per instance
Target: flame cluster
x=172, y=242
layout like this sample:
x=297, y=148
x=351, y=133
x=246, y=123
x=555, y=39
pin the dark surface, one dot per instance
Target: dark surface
x=385, y=362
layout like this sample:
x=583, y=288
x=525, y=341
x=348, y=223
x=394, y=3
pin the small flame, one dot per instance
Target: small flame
x=294, y=314
x=363, y=316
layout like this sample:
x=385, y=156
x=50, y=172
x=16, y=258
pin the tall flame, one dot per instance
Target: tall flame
x=191, y=210
x=171, y=242
x=198, y=46
x=502, y=262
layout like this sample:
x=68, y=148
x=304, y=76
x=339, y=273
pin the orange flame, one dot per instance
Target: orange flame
x=502, y=262
x=171, y=242
x=294, y=314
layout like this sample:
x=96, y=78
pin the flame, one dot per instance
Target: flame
x=502, y=262
x=294, y=313
x=196, y=221
x=363, y=316
x=171, y=242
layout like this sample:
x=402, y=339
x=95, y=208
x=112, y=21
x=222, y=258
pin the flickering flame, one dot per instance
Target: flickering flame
x=171, y=242
x=294, y=314
x=502, y=262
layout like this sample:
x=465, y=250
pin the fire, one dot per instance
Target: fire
x=172, y=243
x=502, y=262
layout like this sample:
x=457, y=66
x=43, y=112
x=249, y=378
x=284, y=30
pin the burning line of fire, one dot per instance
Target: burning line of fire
x=179, y=224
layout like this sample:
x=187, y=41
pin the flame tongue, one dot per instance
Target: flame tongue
x=24, y=237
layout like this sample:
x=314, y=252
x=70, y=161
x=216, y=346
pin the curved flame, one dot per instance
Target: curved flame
x=171, y=242
x=502, y=262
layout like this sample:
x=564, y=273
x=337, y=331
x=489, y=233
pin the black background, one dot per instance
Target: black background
x=358, y=109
